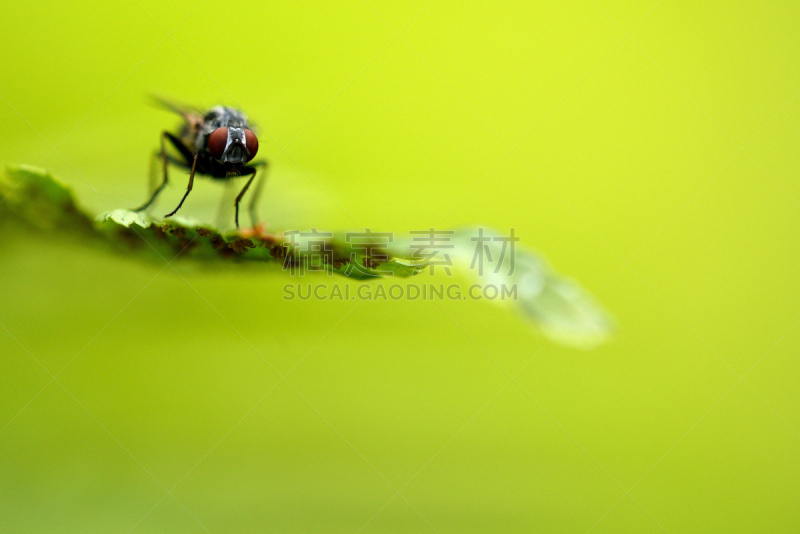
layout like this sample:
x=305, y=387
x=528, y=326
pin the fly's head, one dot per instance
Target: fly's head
x=233, y=146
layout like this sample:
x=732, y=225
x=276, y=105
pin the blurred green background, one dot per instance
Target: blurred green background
x=649, y=149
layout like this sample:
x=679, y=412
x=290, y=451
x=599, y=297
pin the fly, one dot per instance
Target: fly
x=218, y=143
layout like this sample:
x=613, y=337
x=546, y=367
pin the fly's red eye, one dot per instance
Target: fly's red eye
x=251, y=142
x=217, y=142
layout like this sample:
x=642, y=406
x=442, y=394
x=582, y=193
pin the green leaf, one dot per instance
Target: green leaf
x=560, y=308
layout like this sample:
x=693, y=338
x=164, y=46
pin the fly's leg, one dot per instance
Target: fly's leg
x=224, y=202
x=153, y=172
x=155, y=167
x=164, y=181
x=252, y=172
x=165, y=159
x=257, y=192
x=188, y=189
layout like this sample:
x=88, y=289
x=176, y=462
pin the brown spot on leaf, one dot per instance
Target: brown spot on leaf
x=240, y=246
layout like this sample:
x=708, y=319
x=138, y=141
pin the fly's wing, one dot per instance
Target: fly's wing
x=192, y=119
x=190, y=114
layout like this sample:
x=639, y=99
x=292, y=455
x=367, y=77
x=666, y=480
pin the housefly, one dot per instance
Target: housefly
x=218, y=143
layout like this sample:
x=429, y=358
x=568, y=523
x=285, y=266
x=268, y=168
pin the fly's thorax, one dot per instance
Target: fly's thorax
x=221, y=116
